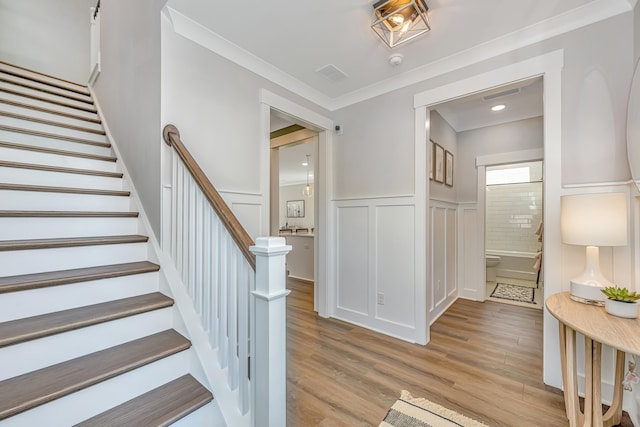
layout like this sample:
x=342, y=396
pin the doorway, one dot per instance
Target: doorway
x=514, y=233
x=294, y=153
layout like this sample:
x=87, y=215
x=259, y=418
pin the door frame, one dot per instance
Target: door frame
x=549, y=67
x=322, y=179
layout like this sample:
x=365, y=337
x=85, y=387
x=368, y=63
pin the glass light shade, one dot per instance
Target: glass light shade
x=398, y=21
x=307, y=191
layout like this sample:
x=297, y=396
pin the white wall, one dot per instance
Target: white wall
x=294, y=192
x=128, y=92
x=48, y=36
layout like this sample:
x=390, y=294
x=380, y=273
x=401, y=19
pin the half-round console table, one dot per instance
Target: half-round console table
x=598, y=327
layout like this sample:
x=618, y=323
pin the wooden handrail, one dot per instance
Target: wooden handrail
x=239, y=235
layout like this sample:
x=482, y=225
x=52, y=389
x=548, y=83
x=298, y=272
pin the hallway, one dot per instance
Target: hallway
x=484, y=360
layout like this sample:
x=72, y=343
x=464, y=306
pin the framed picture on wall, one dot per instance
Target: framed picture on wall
x=438, y=163
x=448, y=168
x=431, y=149
x=295, y=209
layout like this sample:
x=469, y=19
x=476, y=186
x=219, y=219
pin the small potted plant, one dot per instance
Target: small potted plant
x=621, y=302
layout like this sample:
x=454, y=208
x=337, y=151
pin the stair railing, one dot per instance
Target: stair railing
x=237, y=287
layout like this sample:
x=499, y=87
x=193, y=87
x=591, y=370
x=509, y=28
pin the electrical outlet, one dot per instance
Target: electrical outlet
x=380, y=298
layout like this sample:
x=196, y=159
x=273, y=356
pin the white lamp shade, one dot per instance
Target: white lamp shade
x=594, y=219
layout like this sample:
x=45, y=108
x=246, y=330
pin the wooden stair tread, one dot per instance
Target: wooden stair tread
x=79, y=90
x=67, y=214
x=71, y=190
x=51, y=123
x=17, y=245
x=157, y=408
x=29, y=70
x=15, y=146
x=78, y=98
x=50, y=101
x=49, y=111
x=64, y=277
x=55, y=136
x=31, y=328
x=35, y=388
x=61, y=169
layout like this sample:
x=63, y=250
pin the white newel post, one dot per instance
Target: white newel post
x=270, y=332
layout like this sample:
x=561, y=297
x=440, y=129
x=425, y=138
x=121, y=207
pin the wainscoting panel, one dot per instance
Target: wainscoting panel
x=353, y=259
x=395, y=264
x=470, y=254
x=443, y=226
x=248, y=208
x=377, y=266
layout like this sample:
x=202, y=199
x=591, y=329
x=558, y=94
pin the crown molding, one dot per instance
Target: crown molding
x=210, y=40
x=543, y=30
x=571, y=20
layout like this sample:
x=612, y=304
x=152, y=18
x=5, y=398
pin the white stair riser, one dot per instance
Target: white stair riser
x=76, y=407
x=21, y=228
x=61, y=91
x=27, y=156
x=41, y=260
x=208, y=415
x=35, y=200
x=44, y=104
x=56, y=130
x=12, y=175
x=56, y=144
x=42, y=78
x=29, y=356
x=18, y=305
x=46, y=96
x=4, y=107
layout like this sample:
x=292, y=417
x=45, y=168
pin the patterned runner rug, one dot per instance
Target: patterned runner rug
x=409, y=411
x=513, y=293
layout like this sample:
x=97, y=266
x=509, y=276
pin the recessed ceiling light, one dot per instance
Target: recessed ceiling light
x=498, y=107
x=305, y=163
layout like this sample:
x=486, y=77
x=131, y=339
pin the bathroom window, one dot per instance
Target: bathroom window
x=508, y=176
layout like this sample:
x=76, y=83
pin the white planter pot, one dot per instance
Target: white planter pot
x=622, y=309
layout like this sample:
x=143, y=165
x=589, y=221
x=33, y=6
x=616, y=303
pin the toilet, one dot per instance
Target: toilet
x=492, y=262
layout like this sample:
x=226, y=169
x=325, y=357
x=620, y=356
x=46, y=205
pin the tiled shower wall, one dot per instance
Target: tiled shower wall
x=514, y=212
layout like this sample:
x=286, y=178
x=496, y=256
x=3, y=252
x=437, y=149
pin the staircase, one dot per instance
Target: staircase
x=87, y=337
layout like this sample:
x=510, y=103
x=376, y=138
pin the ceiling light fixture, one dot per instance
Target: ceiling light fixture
x=498, y=107
x=308, y=191
x=398, y=21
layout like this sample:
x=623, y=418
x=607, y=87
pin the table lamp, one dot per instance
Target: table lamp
x=593, y=220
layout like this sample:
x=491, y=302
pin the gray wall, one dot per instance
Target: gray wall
x=515, y=136
x=598, y=64
x=47, y=36
x=442, y=133
x=128, y=91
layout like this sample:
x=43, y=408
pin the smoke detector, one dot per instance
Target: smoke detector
x=396, y=59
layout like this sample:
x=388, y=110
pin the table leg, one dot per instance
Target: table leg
x=596, y=382
x=569, y=375
x=614, y=415
x=590, y=390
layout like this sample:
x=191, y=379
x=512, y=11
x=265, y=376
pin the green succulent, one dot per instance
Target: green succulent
x=620, y=294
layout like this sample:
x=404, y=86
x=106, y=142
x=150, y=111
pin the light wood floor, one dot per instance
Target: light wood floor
x=484, y=360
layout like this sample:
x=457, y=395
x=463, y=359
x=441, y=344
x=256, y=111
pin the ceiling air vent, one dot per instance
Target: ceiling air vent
x=332, y=73
x=501, y=94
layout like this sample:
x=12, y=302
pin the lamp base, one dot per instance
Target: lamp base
x=587, y=293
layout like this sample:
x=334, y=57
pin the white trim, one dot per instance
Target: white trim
x=421, y=250
x=206, y=38
x=550, y=67
x=510, y=157
x=523, y=70
x=323, y=243
x=588, y=14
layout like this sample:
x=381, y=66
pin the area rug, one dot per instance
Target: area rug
x=409, y=411
x=513, y=293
